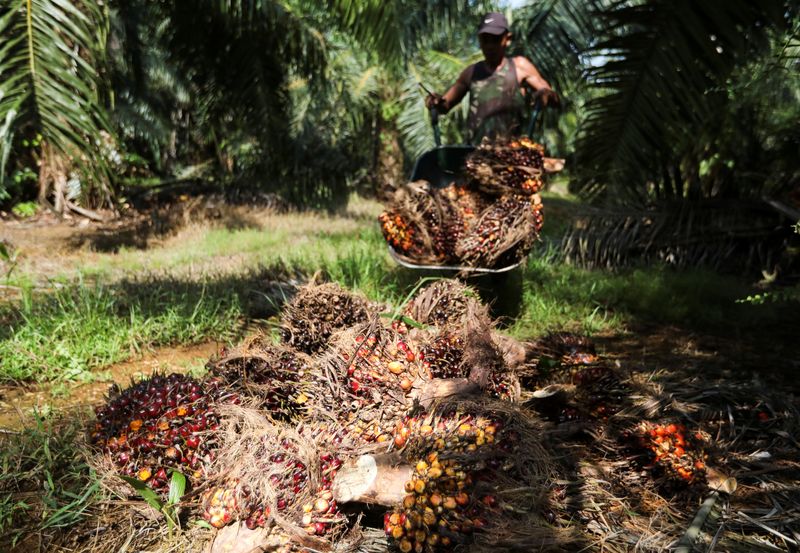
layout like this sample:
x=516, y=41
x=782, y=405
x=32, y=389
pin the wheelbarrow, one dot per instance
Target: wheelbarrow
x=440, y=167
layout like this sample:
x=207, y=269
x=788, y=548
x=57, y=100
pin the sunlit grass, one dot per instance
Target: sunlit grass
x=207, y=281
x=66, y=334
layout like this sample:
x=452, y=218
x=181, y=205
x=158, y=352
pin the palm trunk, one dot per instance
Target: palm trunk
x=53, y=171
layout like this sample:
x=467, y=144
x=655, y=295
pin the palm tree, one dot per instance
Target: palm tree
x=49, y=60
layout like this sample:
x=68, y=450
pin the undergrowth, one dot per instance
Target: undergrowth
x=45, y=481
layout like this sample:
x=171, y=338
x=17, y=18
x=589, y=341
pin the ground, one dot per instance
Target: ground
x=212, y=249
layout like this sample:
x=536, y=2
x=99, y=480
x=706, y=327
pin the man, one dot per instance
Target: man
x=496, y=96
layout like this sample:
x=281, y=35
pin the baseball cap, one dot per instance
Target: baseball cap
x=494, y=24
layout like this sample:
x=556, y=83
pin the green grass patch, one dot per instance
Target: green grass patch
x=65, y=334
x=559, y=296
x=45, y=482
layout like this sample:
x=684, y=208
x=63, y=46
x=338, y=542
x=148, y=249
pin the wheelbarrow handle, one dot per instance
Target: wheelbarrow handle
x=437, y=134
x=537, y=109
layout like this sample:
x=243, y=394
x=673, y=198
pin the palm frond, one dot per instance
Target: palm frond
x=437, y=71
x=148, y=87
x=396, y=29
x=664, y=62
x=48, y=60
x=554, y=34
x=294, y=39
x=730, y=235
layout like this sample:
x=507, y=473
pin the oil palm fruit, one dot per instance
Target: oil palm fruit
x=159, y=423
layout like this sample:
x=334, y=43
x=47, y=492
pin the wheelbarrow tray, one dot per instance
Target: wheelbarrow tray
x=442, y=165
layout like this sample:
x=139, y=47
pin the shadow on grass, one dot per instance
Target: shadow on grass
x=139, y=230
x=65, y=333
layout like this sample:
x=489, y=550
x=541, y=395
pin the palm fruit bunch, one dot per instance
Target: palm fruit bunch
x=673, y=450
x=503, y=234
x=457, y=207
x=378, y=376
x=504, y=165
x=402, y=234
x=443, y=356
x=289, y=480
x=160, y=423
x=316, y=312
x=469, y=203
x=413, y=223
x=502, y=385
x=449, y=495
x=276, y=376
x=445, y=303
x=599, y=390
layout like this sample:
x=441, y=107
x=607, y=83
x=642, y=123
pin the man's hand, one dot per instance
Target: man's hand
x=548, y=97
x=437, y=101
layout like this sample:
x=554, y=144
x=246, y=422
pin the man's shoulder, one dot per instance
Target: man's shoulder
x=521, y=62
x=468, y=72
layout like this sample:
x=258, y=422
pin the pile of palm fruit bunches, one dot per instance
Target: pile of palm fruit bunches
x=489, y=217
x=270, y=437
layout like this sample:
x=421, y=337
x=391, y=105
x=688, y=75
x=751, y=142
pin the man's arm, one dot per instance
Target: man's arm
x=527, y=73
x=454, y=94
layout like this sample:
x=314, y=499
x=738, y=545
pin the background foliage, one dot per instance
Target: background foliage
x=664, y=102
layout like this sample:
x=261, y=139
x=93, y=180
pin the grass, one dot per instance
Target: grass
x=45, y=482
x=65, y=335
x=205, y=282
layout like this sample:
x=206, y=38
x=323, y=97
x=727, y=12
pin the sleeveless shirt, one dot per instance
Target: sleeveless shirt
x=495, y=102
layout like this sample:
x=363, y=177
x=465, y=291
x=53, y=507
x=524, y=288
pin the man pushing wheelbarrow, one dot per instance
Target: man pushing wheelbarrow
x=495, y=85
x=475, y=209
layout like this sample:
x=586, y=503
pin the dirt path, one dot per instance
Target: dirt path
x=17, y=403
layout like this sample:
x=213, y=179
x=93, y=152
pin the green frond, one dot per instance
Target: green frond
x=395, y=30
x=554, y=34
x=49, y=79
x=659, y=84
x=437, y=71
